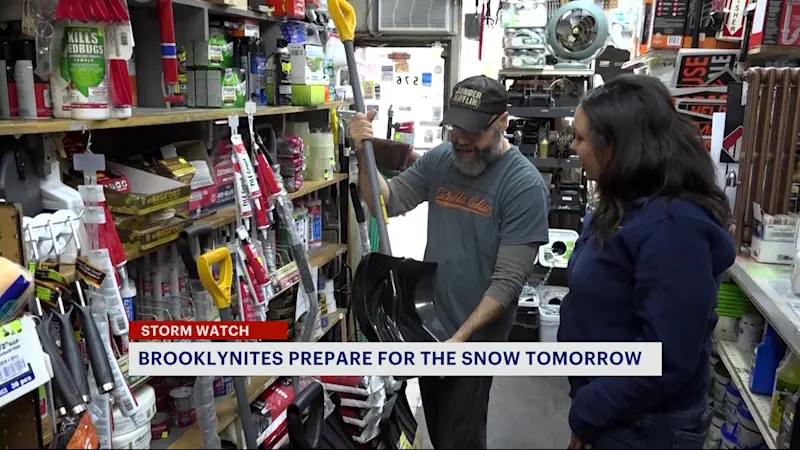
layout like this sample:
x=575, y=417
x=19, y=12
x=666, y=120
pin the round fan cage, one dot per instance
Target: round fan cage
x=578, y=31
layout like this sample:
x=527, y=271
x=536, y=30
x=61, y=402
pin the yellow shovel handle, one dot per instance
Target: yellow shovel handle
x=220, y=290
x=344, y=17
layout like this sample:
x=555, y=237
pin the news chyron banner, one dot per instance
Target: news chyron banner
x=233, y=348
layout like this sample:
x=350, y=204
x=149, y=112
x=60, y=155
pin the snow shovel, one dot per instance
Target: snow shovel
x=385, y=288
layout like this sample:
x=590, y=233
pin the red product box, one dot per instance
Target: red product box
x=776, y=22
x=288, y=8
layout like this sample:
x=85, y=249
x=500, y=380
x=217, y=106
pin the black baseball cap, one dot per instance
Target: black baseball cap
x=475, y=101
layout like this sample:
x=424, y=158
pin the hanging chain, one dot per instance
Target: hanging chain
x=546, y=278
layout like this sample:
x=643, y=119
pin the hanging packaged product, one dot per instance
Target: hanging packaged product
x=87, y=72
x=33, y=93
x=8, y=88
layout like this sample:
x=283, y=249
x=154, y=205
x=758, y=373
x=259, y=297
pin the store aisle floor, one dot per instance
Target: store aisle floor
x=524, y=412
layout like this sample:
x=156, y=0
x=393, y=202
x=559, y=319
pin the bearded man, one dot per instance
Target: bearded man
x=487, y=216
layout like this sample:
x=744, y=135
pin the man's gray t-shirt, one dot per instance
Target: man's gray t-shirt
x=469, y=218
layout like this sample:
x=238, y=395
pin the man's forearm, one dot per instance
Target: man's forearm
x=513, y=267
x=488, y=311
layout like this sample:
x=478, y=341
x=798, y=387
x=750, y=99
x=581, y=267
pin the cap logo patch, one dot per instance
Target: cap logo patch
x=470, y=98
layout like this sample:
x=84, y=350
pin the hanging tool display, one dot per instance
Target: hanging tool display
x=344, y=17
x=198, y=237
x=169, y=54
x=220, y=291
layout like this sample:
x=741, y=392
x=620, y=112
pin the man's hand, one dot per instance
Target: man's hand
x=457, y=338
x=360, y=128
x=576, y=444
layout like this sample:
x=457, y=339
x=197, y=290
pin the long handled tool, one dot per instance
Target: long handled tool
x=220, y=291
x=344, y=16
x=205, y=407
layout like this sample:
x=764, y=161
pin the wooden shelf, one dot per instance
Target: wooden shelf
x=227, y=215
x=312, y=186
x=227, y=407
x=774, y=52
x=318, y=257
x=143, y=117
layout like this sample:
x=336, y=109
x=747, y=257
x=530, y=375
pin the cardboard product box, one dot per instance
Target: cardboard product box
x=776, y=22
x=307, y=64
x=191, y=89
x=204, y=192
x=642, y=36
x=287, y=8
x=772, y=252
x=153, y=234
x=667, y=24
x=223, y=172
x=147, y=192
x=774, y=228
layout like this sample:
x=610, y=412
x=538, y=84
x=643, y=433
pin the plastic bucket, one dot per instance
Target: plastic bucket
x=549, y=319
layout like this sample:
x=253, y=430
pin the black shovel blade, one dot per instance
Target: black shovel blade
x=393, y=300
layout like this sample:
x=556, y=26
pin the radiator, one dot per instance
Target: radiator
x=767, y=162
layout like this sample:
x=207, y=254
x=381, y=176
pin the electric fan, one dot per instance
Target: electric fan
x=576, y=34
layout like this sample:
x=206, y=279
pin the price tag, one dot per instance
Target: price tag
x=407, y=80
x=23, y=365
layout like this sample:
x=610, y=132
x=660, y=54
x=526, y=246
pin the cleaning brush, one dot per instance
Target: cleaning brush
x=121, y=95
x=71, y=10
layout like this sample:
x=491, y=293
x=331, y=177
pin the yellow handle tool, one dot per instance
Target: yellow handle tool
x=344, y=17
x=220, y=290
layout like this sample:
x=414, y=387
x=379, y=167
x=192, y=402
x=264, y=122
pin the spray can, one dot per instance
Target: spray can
x=279, y=68
x=257, y=72
x=8, y=88
x=33, y=93
x=86, y=56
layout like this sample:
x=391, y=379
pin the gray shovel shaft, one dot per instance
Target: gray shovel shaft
x=368, y=159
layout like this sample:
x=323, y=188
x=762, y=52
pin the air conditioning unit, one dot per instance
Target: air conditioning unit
x=432, y=17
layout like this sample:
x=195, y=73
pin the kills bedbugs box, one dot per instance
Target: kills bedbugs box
x=147, y=192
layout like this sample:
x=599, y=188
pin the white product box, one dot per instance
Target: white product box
x=307, y=64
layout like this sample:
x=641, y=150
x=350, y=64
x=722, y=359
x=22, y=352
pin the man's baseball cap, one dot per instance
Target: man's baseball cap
x=475, y=101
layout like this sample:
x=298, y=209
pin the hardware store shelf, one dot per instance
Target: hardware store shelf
x=769, y=287
x=47, y=432
x=738, y=364
x=143, y=117
x=774, y=52
x=227, y=408
x=227, y=215
x=317, y=257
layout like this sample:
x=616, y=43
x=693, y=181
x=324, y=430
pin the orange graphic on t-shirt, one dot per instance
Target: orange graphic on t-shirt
x=453, y=198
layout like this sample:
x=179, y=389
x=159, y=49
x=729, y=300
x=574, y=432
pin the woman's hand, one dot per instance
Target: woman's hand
x=575, y=443
x=360, y=128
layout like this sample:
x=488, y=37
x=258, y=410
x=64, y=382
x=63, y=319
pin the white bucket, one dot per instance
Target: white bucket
x=549, y=319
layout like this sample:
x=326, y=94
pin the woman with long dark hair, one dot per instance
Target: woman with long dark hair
x=646, y=268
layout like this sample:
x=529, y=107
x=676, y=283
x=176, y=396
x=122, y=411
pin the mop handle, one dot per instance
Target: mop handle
x=344, y=17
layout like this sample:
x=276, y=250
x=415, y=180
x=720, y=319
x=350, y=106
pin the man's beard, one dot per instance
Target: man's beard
x=472, y=162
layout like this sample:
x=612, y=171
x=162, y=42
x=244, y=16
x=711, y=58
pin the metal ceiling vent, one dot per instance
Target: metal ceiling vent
x=415, y=16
